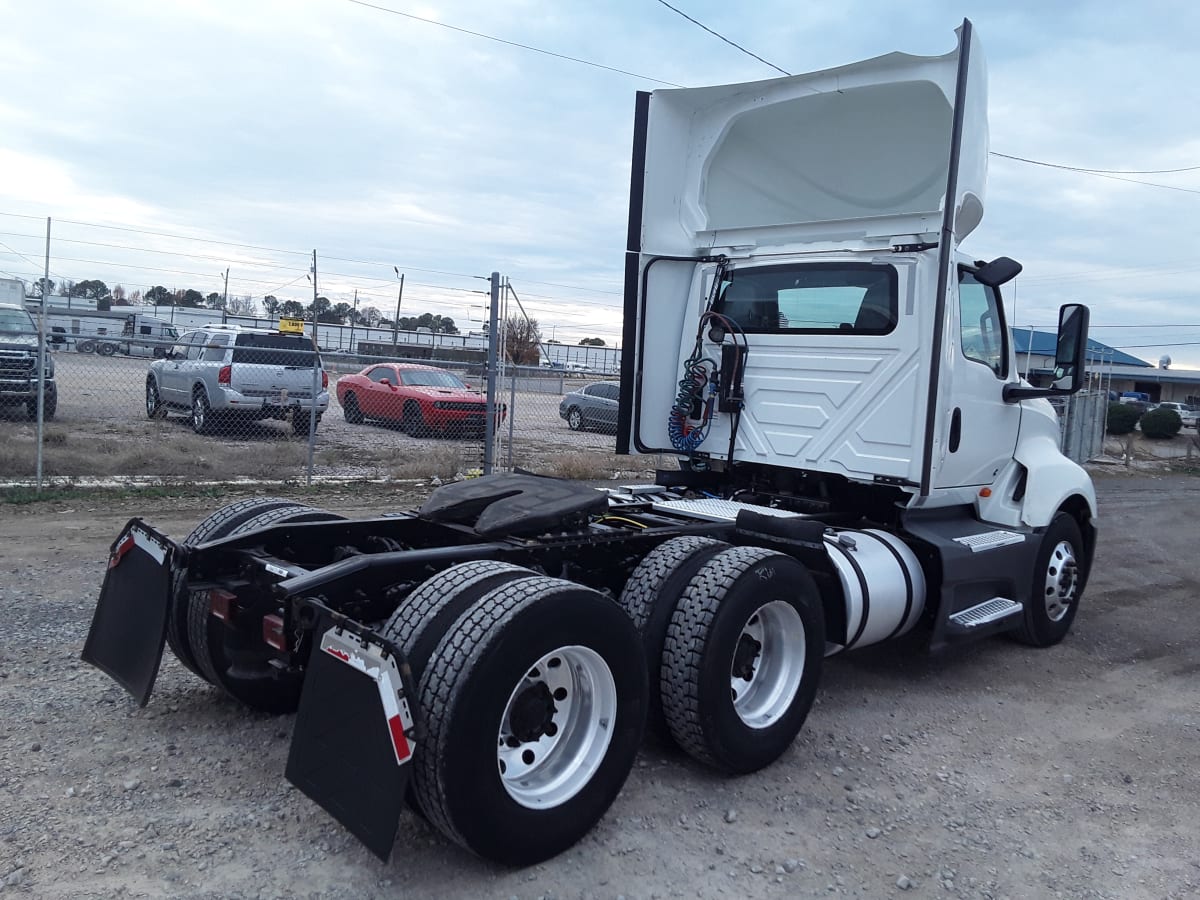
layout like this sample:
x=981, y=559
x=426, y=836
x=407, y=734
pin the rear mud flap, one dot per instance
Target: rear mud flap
x=355, y=731
x=130, y=623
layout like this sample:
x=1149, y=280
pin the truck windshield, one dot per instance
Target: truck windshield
x=274, y=350
x=811, y=298
x=16, y=321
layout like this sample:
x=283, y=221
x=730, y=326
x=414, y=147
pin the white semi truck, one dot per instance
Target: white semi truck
x=859, y=459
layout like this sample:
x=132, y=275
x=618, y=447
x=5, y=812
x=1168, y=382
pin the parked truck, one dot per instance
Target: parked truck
x=859, y=459
x=130, y=333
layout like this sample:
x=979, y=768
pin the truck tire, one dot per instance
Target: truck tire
x=219, y=524
x=244, y=671
x=85, y=347
x=49, y=406
x=650, y=596
x=534, y=706
x=742, y=658
x=424, y=616
x=1058, y=580
x=104, y=348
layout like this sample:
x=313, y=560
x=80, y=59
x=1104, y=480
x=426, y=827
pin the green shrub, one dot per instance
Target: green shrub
x=1122, y=417
x=1161, y=423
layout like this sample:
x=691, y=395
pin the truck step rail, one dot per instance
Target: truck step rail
x=986, y=612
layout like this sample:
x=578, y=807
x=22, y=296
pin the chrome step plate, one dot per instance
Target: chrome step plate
x=985, y=612
x=717, y=510
x=990, y=540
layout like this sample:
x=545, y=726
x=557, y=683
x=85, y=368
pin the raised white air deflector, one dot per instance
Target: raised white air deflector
x=988, y=611
x=717, y=510
x=990, y=540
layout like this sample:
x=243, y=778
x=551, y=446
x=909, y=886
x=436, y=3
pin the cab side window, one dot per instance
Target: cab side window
x=981, y=327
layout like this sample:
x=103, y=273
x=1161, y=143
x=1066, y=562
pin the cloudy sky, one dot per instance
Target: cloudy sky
x=209, y=133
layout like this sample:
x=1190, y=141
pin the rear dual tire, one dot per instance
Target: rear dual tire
x=735, y=636
x=533, y=700
x=235, y=659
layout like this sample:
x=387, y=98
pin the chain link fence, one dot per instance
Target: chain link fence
x=223, y=404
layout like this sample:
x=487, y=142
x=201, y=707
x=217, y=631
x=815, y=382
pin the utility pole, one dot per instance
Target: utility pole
x=225, y=299
x=353, y=316
x=396, y=321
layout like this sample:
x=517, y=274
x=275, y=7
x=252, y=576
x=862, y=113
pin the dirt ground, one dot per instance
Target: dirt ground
x=997, y=771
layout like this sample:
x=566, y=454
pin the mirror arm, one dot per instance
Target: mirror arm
x=1013, y=392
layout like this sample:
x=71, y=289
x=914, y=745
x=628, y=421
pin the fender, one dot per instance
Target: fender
x=1051, y=479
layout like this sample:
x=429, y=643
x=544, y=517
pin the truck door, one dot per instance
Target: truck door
x=979, y=431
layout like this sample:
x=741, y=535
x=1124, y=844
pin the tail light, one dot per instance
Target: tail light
x=221, y=603
x=225, y=376
x=324, y=380
x=273, y=634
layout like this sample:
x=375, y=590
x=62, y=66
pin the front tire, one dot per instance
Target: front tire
x=1058, y=578
x=742, y=658
x=154, y=407
x=411, y=421
x=534, y=708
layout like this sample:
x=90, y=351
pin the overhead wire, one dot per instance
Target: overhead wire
x=499, y=40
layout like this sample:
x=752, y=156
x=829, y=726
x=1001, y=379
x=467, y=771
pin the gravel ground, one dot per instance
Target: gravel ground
x=997, y=771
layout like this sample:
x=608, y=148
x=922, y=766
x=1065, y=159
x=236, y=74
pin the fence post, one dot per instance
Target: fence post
x=41, y=363
x=489, y=434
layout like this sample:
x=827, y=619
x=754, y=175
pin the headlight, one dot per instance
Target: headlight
x=438, y=404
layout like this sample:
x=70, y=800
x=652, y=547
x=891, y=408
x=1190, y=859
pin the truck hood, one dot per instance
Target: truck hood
x=12, y=341
x=858, y=152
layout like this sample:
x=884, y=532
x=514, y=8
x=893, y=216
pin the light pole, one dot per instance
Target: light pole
x=353, y=317
x=225, y=299
x=396, y=321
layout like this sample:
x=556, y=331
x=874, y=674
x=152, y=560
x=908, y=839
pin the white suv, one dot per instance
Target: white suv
x=1186, y=413
x=223, y=373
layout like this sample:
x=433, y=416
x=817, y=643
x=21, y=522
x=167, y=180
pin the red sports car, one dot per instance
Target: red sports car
x=421, y=398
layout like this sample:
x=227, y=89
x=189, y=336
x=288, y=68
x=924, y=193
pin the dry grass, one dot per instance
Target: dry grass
x=442, y=461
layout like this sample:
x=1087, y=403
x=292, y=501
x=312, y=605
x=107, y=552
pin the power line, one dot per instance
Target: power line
x=1035, y=162
x=488, y=37
x=722, y=37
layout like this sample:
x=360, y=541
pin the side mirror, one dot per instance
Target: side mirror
x=386, y=382
x=1000, y=270
x=1071, y=347
x=1070, y=356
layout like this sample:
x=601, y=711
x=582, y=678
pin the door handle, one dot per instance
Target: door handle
x=955, y=429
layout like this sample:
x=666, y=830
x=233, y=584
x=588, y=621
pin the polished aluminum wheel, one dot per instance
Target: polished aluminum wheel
x=556, y=727
x=1062, y=580
x=768, y=664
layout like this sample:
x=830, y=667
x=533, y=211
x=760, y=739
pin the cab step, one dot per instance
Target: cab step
x=986, y=612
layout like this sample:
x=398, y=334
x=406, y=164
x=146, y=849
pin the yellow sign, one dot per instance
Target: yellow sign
x=295, y=326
